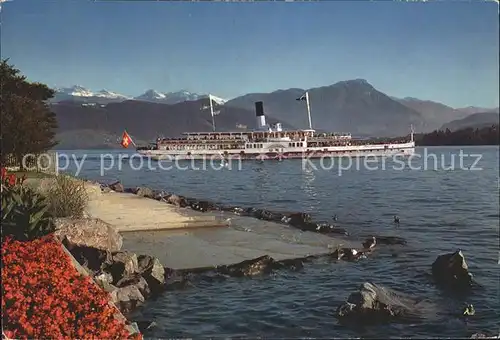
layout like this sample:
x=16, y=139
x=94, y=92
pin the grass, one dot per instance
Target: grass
x=67, y=197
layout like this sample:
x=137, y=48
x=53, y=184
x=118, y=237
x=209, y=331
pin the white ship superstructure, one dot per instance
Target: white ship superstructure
x=270, y=142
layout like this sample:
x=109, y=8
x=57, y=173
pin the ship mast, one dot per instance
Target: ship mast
x=308, y=110
x=212, y=111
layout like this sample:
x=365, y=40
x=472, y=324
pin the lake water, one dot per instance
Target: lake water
x=442, y=208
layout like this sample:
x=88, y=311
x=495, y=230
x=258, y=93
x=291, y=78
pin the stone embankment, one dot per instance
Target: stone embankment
x=132, y=278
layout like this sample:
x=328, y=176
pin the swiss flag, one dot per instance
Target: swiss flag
x=126, y=140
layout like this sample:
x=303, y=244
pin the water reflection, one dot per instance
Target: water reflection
x=307, y=186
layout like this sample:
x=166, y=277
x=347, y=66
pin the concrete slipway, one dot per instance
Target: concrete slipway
x=182, y=238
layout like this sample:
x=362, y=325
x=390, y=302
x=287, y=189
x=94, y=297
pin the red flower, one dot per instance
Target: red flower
x=11, y=179
x=44, y=296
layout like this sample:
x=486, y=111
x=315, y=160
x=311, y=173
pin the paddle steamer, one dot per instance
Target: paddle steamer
x=267, y=142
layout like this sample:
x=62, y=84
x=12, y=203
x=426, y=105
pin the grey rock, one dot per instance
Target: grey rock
x=129, y=297
x=92, y=259
x=177, y=201
x=144, y=192
x=105, y=189
x=452, y=271
x=145, y=325
x=297, y=219
x=104, y=278
x=117, y=186
x=152, y=270
x=258, y=266
x=124, y=265
x=89, y=232
x=373, y=304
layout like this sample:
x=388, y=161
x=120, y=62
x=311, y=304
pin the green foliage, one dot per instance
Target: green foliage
x=67, y=197
x=28, y=125
x=470, y=136
x=25, y=213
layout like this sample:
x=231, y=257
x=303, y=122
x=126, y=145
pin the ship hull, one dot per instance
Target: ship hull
x=368, y=150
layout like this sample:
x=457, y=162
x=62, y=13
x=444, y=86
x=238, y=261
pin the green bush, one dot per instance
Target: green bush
x=25, y=213
x=67, y=197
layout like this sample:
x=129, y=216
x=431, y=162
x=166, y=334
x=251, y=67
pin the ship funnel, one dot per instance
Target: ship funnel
x=259, y=113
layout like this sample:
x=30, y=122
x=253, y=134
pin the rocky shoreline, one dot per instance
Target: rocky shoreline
x=131, y=279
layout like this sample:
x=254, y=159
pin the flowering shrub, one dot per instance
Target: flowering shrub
x=10, y=180
x=44, y=296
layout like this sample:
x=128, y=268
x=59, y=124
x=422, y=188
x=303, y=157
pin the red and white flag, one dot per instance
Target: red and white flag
x=126, y=140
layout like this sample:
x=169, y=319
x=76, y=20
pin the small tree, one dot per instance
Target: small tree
x=28, y=125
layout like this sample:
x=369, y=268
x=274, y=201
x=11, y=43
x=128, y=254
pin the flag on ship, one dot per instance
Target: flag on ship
x=212, y=103
x=303, y=97
x=126, y=140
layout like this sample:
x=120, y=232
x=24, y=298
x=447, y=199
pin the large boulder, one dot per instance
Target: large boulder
x=103, y=278
x=373, y=304
x=451, y=270
x=201, y=205
x=93, y=260
x=177, y=201
x=144, y=192
x=124, y=266
x=117, y=186
x=267, y=215
x=299, y=219
x=130, y=296
x=261, y=265
x=89, y=232
x=153, y=272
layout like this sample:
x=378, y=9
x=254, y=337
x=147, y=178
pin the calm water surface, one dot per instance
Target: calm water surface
x=441, y=210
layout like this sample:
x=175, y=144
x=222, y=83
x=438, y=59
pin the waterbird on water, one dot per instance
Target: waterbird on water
x=469, y=310
x=335, y=217
x=370, y=243
x=396, y=219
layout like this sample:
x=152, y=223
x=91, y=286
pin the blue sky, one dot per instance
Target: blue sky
x=443, y=51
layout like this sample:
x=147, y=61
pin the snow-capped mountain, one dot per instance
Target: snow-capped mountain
x=108, y=94
x=76, y=91
x=151, y=95
x=175, y=97
x=82, y=94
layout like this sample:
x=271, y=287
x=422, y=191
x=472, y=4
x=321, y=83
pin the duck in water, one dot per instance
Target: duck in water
x=335, y=217
x=396, y=219
x=348, y=254
x=370, y=243
x=468, y=310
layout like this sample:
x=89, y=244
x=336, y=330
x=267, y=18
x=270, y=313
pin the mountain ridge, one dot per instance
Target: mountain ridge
x=351, y=105
x=104, y=96
x=354, y=106
x=475, y=120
